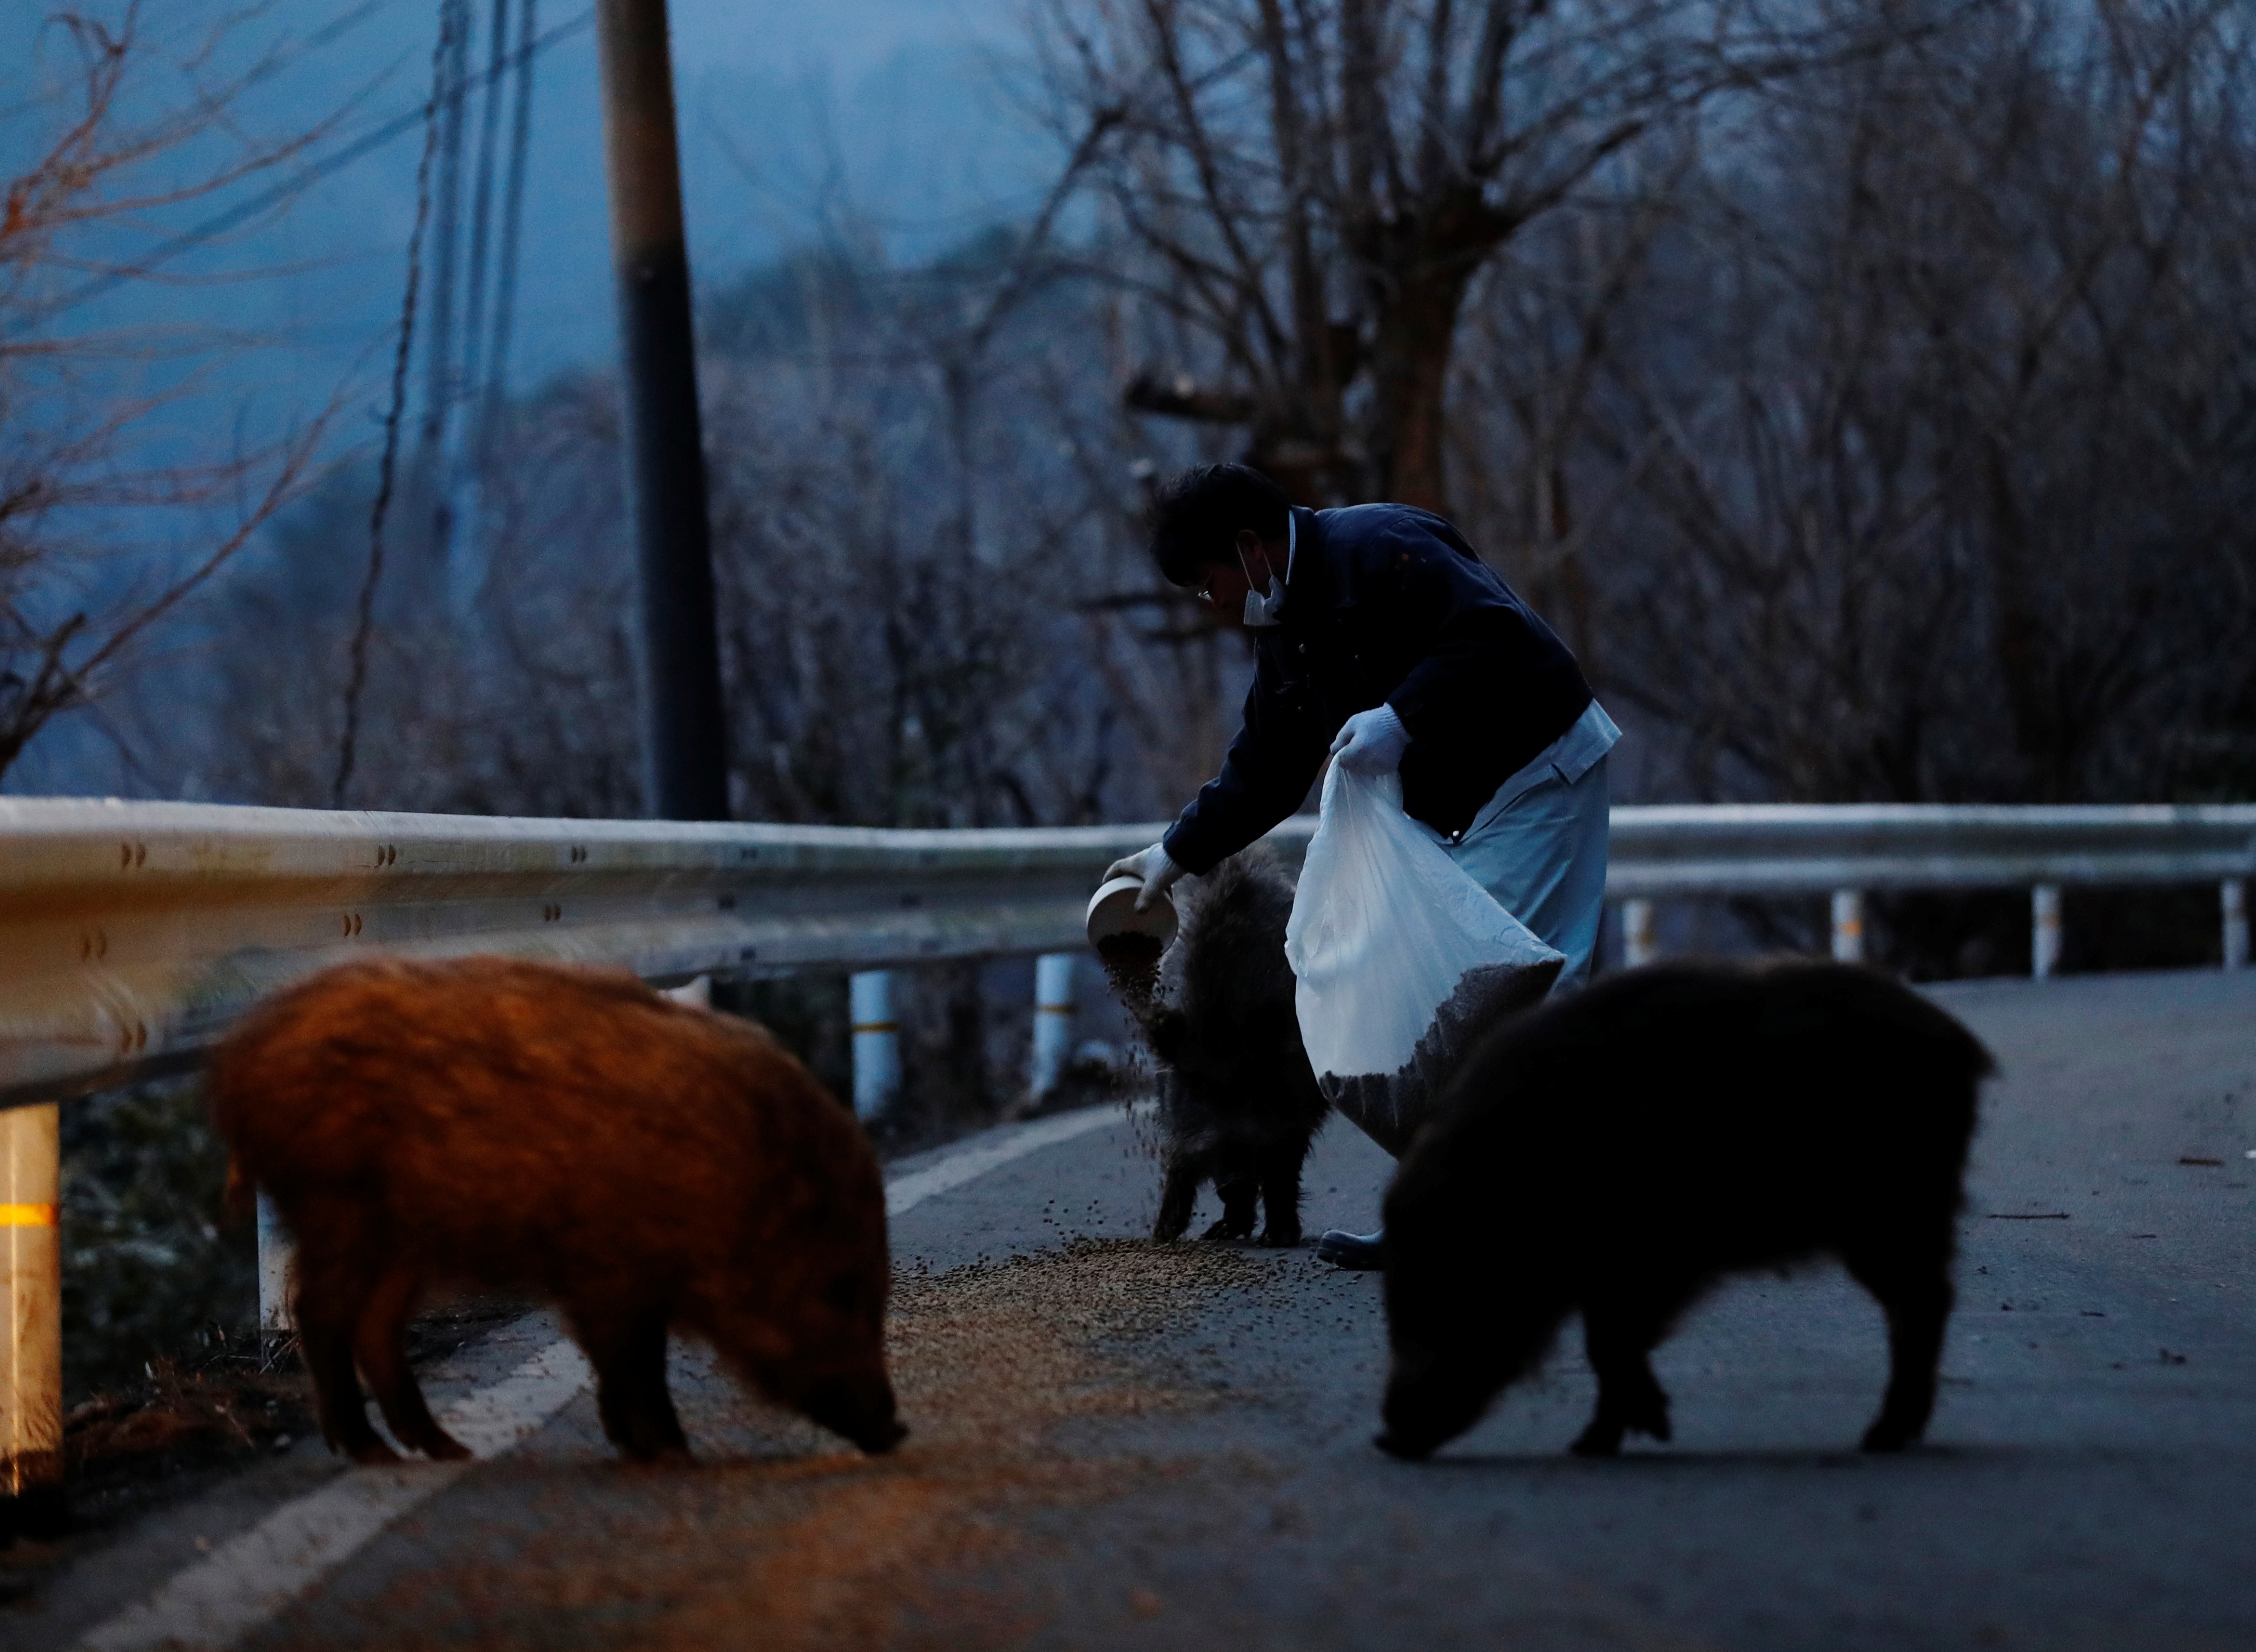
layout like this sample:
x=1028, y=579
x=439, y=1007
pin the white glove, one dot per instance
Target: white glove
x=1152, y=866
x=1371, y=742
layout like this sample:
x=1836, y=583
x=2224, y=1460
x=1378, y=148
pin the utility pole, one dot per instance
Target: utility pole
x=685, y=748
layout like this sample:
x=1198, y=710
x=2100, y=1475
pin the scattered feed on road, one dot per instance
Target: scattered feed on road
x=1132, y=964
x=770, y=1544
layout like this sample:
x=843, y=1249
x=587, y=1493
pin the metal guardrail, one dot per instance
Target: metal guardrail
x=1847, y=850
x=1683, y=849
x=131, y=934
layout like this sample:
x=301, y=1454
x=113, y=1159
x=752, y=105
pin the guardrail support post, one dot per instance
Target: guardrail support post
x=1054, y=1006
x=1848, y=926
x=32, y=1354
x=1640, y=941
x=876, y=1042
x=2236, y=922
x=277, y=1258
x=2044, y=936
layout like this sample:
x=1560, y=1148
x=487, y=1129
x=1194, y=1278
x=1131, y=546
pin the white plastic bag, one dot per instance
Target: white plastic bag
x=1402, y=960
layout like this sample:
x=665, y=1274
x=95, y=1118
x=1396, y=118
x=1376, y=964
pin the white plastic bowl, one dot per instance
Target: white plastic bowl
x=1112, y=911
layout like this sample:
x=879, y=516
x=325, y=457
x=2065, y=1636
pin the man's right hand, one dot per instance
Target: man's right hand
x=1152, y=866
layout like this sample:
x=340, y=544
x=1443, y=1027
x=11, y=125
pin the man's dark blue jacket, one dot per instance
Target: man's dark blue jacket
x=1386, y=604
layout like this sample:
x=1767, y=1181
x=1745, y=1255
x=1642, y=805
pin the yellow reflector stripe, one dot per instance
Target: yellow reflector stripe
x=27, y=1216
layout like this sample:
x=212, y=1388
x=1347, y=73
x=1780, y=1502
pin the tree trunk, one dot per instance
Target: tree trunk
x=1417, y=294
x=2016, y=635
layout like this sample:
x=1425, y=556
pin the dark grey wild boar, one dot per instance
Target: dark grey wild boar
x=1620, y=1151
x=509, y=1124
x=1239, y=1104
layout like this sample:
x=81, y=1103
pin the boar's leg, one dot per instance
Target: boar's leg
x=1916, y=1295
x=1241, y=1196
x=380, y=1343
x=628, y=1350
x=334, y=1284
x=1178, y=1197
x=1281, y=1199
x=1620, y=1334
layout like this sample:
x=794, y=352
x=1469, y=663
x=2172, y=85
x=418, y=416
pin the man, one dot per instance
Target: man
x=1382, y=642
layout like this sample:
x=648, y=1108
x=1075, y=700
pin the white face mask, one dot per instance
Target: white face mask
x=1264, y=608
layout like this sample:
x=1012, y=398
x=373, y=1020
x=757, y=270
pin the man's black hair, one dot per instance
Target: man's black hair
x=1197, y=515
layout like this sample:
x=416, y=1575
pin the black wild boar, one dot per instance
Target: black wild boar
x=509, y=1124
x=1620, y=1151
x=1239, y=1104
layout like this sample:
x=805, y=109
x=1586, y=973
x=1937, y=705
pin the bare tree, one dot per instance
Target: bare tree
x=901, y=578
x=520, y=703
x=1540, y=338
x=1315, y=185
x=1946, y=498
x=1911, y=451
x=82, y=588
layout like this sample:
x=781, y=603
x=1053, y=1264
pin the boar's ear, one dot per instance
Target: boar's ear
x=1169, y=1035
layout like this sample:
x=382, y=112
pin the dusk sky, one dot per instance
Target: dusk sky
x=886, y=119
x=904, y=93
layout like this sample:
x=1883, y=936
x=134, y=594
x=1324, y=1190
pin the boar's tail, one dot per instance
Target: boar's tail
x=240, y=1199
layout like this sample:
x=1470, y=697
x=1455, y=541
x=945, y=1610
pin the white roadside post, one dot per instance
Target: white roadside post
x=1640, y=941
x=876, y=1042
x=31, y=1360
x=1848, y=926
x=1054, y=1008
x=277, y=1257
x=2044, y=937
x=2236, y=922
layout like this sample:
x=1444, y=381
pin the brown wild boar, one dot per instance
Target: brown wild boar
x=568, y=1130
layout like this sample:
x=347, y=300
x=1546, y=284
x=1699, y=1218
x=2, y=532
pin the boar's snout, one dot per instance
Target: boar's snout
x=861, y=1408
x=1402, y=1445
x=877, y=1442
x=1432, y=1396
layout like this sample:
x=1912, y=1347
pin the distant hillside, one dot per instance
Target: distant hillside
x=879, y=124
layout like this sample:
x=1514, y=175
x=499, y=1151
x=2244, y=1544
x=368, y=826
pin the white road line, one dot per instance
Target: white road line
x=250, y=1578
x=958, y=1168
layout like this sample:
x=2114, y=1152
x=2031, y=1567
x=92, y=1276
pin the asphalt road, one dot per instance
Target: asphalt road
x=1118, y=1444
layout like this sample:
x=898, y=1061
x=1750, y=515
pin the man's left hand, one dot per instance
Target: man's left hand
x=1371, y=742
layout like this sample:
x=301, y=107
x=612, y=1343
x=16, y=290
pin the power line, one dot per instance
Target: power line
x=473, y=310
x=288, y=189
x=441, y=383
x=512, y=222
x=459, y=508
x=364, y=615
